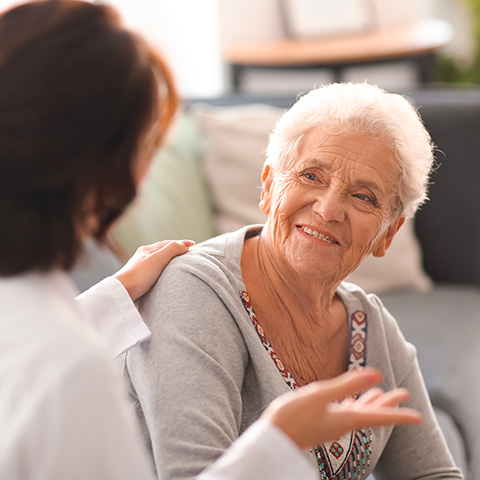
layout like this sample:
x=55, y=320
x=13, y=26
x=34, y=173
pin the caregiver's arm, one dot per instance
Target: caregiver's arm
x=109, y=303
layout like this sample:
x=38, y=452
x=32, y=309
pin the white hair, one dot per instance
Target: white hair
x=361, y=109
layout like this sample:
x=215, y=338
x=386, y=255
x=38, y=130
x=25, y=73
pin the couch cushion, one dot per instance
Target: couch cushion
x=235, y=139
x=234, y=151
x=173, y=201
x=444, y=326
x=400, y=268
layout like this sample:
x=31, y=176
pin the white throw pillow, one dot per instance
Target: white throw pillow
x=235, y=140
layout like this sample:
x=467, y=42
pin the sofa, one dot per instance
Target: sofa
x=207, y=180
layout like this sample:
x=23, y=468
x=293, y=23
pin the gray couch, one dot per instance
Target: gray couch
x=443, y=323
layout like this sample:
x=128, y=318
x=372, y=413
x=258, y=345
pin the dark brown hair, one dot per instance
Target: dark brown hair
x=77, y=93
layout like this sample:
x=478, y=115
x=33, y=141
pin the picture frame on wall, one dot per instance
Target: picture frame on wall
x=323, y=18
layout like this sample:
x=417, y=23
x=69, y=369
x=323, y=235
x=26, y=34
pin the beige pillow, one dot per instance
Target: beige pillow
x=400, y=268
x=235, y=140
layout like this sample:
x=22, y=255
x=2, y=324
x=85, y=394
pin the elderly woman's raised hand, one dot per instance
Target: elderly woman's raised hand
x=316, y=414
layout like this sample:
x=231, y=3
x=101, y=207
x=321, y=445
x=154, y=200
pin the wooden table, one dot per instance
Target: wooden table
x=416, y=42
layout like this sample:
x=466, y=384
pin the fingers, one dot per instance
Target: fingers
x=155, y=247
x=377, y=408
x=172, y=249
x=350, y=383
x=370, y=396
x=378, y=398
x=152, y=247
x=392, y=398
x=388, y=416
x=144, y=267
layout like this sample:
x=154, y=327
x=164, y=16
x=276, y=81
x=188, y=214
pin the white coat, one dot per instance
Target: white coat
x=63, y=411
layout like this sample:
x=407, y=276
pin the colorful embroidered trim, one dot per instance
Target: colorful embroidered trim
x=290, y=381
x=358, y=340
x=348, y=457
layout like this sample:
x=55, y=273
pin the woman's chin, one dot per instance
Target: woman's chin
x=318, y=269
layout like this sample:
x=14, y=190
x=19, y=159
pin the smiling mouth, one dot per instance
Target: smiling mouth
x=315, y=234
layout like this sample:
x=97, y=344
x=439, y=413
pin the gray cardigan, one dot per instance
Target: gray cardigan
x=205, y=376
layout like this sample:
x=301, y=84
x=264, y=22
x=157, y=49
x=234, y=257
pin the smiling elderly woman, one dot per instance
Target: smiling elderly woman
x=254, y=313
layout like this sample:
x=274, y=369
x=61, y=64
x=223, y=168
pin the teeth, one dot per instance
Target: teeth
x=318, y=235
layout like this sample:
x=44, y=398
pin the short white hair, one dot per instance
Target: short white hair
x=361, y=109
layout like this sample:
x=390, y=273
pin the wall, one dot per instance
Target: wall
x=187, y=33
x=254, y=20
x=248, y=22
x=191, y=34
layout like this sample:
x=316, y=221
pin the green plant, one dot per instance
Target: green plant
x=448, y=69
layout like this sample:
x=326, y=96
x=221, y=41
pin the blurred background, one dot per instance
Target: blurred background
x=197, y=37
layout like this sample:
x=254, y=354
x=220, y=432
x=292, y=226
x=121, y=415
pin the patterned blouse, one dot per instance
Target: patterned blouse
x=348, y=457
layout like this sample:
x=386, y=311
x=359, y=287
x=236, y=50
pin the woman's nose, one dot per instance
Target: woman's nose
x=330, y=206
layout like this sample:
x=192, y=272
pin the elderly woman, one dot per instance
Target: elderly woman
x=254, y=313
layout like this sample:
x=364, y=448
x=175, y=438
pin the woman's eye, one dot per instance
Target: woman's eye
x=363, y=198
x=310, y=176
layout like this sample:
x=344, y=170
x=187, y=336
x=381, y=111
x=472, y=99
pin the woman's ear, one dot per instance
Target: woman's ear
x=387, y=238
x=267, y=179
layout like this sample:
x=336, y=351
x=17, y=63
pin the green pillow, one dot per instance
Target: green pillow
x=173, y=201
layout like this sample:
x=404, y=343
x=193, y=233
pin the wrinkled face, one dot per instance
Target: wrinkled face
x=332, y=208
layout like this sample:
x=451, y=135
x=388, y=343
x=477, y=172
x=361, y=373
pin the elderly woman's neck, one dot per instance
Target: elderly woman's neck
x=267, y=276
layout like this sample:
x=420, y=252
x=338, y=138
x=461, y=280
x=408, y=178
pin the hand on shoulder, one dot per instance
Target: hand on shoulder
x=140, y=273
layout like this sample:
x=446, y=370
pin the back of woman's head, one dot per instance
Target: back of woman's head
x=78, y=92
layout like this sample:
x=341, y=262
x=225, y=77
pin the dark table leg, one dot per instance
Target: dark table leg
x=337, y=71
x=426, y=65
x=236, y=81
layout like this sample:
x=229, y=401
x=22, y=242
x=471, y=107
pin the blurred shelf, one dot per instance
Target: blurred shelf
x=416, y=42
